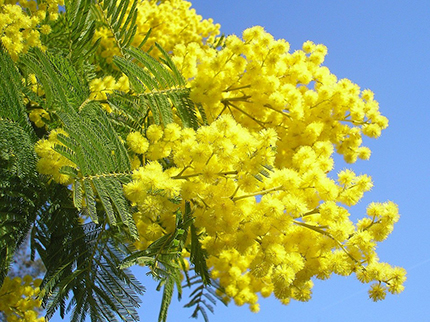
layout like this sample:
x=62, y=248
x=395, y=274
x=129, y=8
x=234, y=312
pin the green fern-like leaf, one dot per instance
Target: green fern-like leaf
x=160, y=87
x=103, y=162
x=91, y=142
x=120, y=18
x=204, y=287
x=166, y=299
x=65, y=89
x=131, y=113
x=11, y=89
x=203, y=297
x=82, y=261
x=21, y=188
x=73, y=32
x=163, y=257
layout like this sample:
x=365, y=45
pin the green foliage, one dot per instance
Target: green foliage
x=83, y=259
x=65, y=89
x=11, y=103
x=74, y=32
x=159, y=86
x=19, y=189
x=91, y=142
x=86, y=147
x=163, y=258
x=203, y=297
x=204, y=287
x=120, y=18
x=19, y=182
x=84, y=233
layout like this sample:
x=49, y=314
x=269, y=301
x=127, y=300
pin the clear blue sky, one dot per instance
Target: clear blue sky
x=384, y=46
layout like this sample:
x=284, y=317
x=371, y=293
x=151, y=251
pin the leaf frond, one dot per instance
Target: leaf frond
x=160, y=87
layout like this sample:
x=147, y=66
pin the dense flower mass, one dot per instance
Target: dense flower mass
x=101, y=87
x=259, y=174
x=51, y=161
x=22, y=22
x=258, y=179
x=258, y=81
x=295, y=229
x=171, y=22
x=18, y=299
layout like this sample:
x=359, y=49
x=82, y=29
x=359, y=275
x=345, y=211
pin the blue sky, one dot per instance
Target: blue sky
x=384, y=46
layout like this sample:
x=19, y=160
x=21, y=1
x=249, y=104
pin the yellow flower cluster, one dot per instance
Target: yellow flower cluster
x=137, y=142
x=100, y=87
x=22, y=22
x=51, y=161
x=203, y=159
x=38, y=115
x=295, y=232
x=258, y=81
x=18, y=299
x=171, y=22
x=152, y=189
